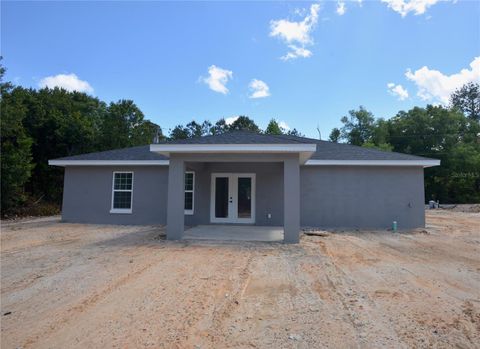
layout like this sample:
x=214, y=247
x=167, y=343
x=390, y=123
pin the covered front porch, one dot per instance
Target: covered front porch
x=249, y=194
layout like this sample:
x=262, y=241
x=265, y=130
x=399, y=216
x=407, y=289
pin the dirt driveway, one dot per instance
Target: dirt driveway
x=93, y=286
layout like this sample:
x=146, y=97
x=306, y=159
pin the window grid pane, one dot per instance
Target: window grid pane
x=122, y=190
x=122, y=199
x=123, y=181
x=188, y=200
x=189, y=190
x=188, y=181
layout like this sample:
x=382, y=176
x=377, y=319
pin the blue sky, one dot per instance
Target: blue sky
x=307, y=63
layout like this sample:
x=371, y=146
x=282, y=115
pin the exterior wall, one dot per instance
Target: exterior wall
x=330, y=196
x=269, y=190
x=362, y=197
x=87, y=195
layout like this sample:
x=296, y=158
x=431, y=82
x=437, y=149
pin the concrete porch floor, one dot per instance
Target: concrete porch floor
x=234, y=233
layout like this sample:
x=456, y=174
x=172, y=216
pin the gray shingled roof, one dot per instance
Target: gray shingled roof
x=241, y=137
x=134, y=153
x=325, y=150
x=341, y=151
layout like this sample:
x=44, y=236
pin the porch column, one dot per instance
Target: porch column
x=291, y=200
x=175, y=199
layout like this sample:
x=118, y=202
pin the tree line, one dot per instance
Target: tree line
x=38, y=125
x=450, y=134
x=241, y=123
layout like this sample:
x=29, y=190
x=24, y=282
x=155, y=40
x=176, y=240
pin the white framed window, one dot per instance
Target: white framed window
x=122, y=192
x=189, y=192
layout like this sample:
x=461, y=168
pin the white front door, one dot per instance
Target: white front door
x=232, y=198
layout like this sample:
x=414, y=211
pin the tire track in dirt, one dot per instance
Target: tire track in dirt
x=358, y=306
x=84, y=305
x=213, y=324
x=428, y=287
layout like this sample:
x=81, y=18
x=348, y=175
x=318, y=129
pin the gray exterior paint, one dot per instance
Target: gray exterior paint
x=291, y=204
x=294, y=195
x=176, y=199
x=87, y=195
x=269, y=190
x=330, y=196
x=362, y=197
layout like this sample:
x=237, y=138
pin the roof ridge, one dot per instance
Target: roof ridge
x=290, y=137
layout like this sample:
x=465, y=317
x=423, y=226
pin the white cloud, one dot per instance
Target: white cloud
x=259, y=89
x=435, y=86
x=341, y=9
x=284, y=125
x=296, y=52
x=218, y=78
x=404, y=7
x=398, y=91
x=69, y=82
x=296, y=34
x=231, y=120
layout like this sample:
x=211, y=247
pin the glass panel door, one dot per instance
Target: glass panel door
x=244, y=199
x=232, y=198
x=221, y=197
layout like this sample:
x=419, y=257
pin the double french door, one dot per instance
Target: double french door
x=232, y=198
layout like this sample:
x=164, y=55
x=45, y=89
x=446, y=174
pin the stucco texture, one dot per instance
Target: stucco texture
x=330, y=196
x=87, y=195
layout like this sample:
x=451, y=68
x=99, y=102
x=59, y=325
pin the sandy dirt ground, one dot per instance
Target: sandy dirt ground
x=93, y=286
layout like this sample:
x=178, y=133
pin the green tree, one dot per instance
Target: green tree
x=433, y=131
x=444, y=134
x=244, y=123
x=61, y=123
x=295, y=132
x=146, y=132
x=383, y=146
x=197, y=130
x=467, y=99
x=192, y=129
x=219, y=127
x=120, y=125
x=379, y=137
x=358, y=126
x=334, y=135
x=273, y=128
x=38, y=125
x=16, y=159
x=179, y=132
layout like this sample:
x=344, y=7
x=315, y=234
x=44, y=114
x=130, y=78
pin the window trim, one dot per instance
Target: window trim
x=192, y=211
x=121, y=210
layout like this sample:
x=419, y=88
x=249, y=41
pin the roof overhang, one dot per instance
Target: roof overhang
x=420, y=162
x=304, y=150
x=108, y=162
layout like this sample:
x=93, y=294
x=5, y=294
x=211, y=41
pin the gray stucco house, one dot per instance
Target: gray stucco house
x=246, y=178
